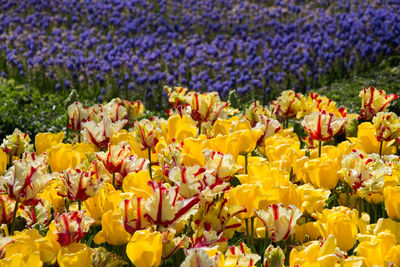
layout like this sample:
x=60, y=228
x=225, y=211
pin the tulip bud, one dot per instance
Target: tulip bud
x=274, y=257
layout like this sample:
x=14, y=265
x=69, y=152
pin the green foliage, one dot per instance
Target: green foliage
x=386, y=76
x=29, y=110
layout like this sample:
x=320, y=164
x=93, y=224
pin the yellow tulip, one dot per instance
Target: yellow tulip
x=112, y=231
x=375, y=249
x=383, y=225
x=306, y=232
x=223, y=127
x=145, y=248
x=393, y=256
x=44, y=141
x=278, y=145
x=247, y=140
x=392, y=201
x=107, y=198
x=367, y=142
x=312, y=199
x=31, y=260
x=322, y=172
x=49, y=248
x=180, y=128
x=229, y=144
x=192, y=152
x=248, y=196
x=75, y=254
x=24, y=243
x=3, y=161
x=341, y=222
x=137, y=183
x=49, y=194
x=316, y=253
x=63, y=156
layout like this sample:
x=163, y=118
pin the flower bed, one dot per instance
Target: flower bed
x=208, y=185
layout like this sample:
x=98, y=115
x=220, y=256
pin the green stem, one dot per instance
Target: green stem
x=291, y=175
x=151, y=174
x=246, y=162
x=252, y=234
x=67, y=130
x=247, y=230
x=113, y=181
x=199, y=130
x=66, y=204
x=319, y=148
x=380, y=148
x=13, y=220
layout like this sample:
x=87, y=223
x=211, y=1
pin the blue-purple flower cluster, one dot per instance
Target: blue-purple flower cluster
x=108, y=47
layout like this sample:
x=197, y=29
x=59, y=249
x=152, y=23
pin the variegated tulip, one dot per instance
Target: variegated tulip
x=268, y=128
x=72, y=226
x=374, y=101
x=78, y=184
x=322, y=126
x=279, y=221
x=145, y=134
x=133, y=214
x=115, y=110
x=114, y=158
x=387, y=126
x=222, y=165
x=135, y=110
x=176, y=96
x=287, y=105
x=6, y=209
x=40, y=214
x=16, y=143
x=100, y=133
x=206, y=107
x=170, y=157
x=203, y=256
x=77, y=115
x=255, y=112
x=165, y=207
x=240, y=255
x=27, y=177
x=365, y=173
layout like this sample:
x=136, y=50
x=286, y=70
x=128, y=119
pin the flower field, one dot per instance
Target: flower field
x=110, y=48
x=300, y=182
x=199, y=133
